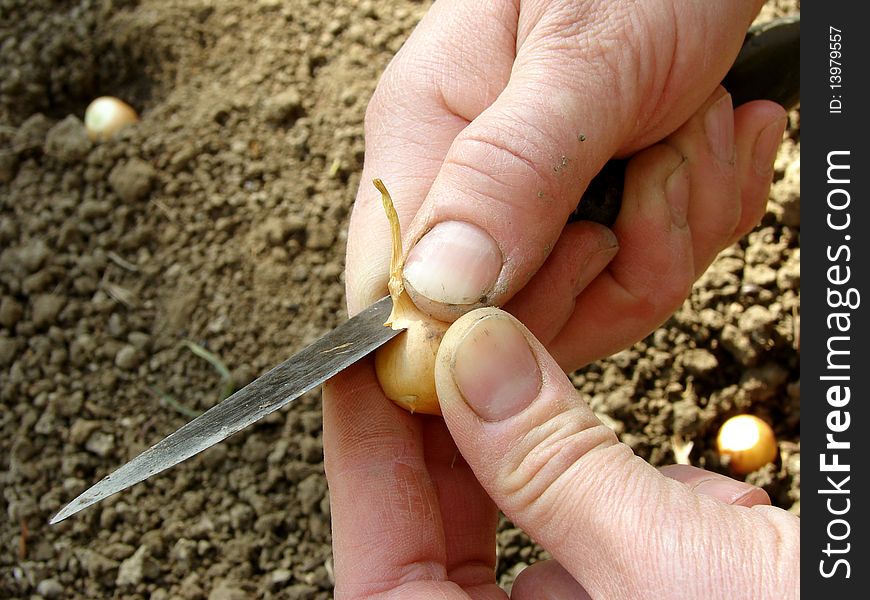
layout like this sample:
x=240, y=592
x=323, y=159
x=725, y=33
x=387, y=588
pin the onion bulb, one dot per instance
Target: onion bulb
x=405, y=365
x=747, y=443
x=106, y=116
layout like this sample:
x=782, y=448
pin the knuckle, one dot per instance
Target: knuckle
x=541, y=466
x=505, y=162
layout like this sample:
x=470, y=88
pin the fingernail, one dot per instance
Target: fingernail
x=719, y=126
x=727, y=490
x=677, y=194
x=454, y=263
x=495, y=369
x=766, y=145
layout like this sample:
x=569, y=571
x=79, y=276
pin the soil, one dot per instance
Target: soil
x=220, y=219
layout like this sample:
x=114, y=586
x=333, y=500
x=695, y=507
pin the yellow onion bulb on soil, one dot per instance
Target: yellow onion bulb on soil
x=747, y=443
x=405, y=365
x=106, y=116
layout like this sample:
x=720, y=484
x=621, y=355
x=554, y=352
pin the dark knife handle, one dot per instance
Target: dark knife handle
x=767, y=68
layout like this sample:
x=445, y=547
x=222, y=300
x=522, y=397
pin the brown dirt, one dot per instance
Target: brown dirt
x=221, y=219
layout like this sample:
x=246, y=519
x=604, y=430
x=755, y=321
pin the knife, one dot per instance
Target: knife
x=767, y=67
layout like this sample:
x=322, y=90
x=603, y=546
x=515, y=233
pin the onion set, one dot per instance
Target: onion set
x=106, y=116
x=746, y=443
x=405, y=365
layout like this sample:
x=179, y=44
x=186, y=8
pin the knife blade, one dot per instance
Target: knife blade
x=300, y=373
x=766, y=68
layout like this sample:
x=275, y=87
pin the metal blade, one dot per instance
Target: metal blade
x=307, y=369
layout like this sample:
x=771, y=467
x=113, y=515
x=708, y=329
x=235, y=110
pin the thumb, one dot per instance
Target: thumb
x=589, y=80
x=616, y=524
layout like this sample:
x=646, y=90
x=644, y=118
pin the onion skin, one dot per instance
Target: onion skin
x=106, y=116
x=746, y=455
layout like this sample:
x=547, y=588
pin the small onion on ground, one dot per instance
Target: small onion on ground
x=746, y=443
x=106, y=116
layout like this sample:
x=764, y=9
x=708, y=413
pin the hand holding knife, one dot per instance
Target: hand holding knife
x=767, y=68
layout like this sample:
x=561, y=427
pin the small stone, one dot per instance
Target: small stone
x=68, y=141
x=309, y=492
x=788, y=277
x=49, y=588
x=294, y=224
x=81, y=430
x=138, y=568
x=311, y=450
x=119, y=551
x=298, y=591
x=739, y=345
x=8, y=350
x=38, y=282
x=128, y=358
x=699, y=361
x=94, y=563
x=93, y=209
x=756, y=319
x=139, y=340
x=31, y=134
x=241, y=517
x=100, y=443
x=33, y=255
x=46, y=308
x=320, y=237
x=280, y=577
x=761, y=275
x=132, y=180
x=285, y=107
x=275, y=230
x=8, y=165
x=226, y=590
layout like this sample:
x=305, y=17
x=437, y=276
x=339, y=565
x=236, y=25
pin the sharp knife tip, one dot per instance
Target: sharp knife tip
x=87, y=498
x=67, y=511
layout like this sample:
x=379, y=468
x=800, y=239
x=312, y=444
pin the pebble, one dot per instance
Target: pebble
x=46, y=307
x=119, y=551
x=699, y=361
x=137, y=568
x=81, y=430
x=8, y=350
x=128, y=357
x=49, y=588
x=94, y=563
x=280, y=577
x=320, y=237
x=100, y=443
x=756, y=318
x=139, y=340
x=38, y=282
x=93, y=209
x=284, y=107
x=761, y=275
x=68, y=141
x=311, y=450
x=33, y=254
x=227, y=591
x=309, y=492
x=8, y=165
x=132, y=180
x=739, y=345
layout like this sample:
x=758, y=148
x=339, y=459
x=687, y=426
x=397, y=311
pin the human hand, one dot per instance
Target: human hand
x=616, y=527
x=412, y=518
x=480, y=146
